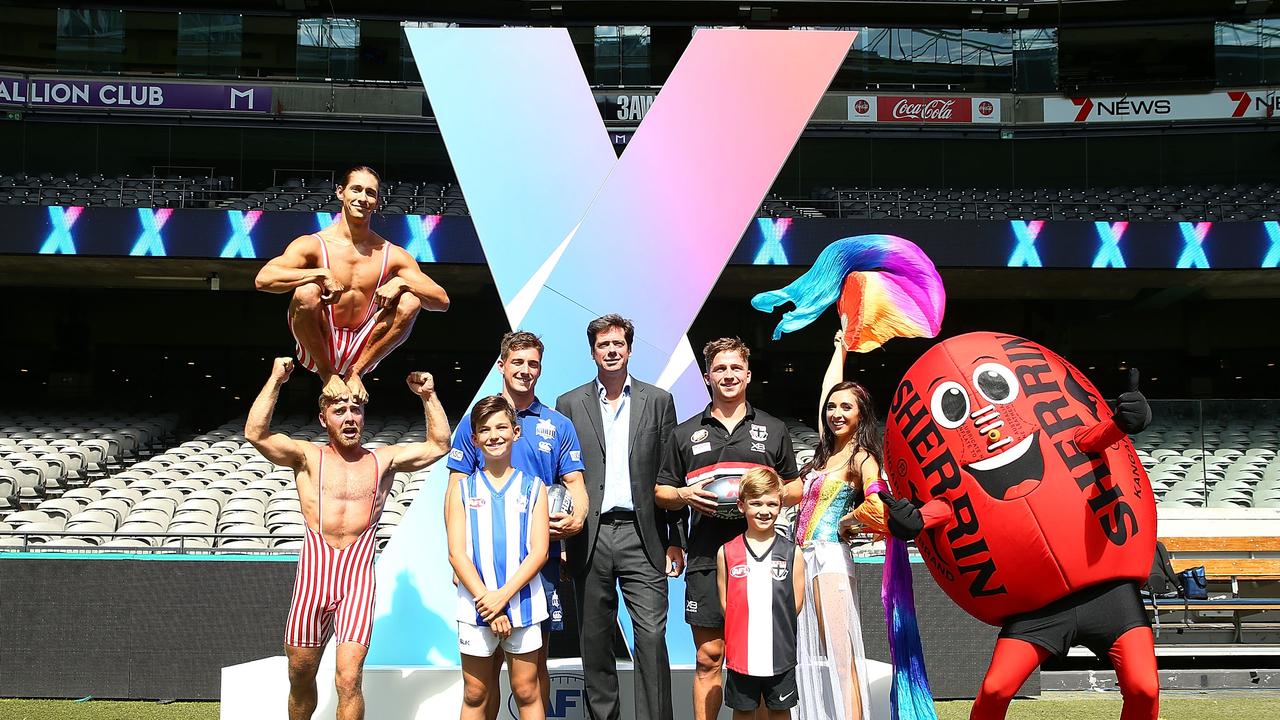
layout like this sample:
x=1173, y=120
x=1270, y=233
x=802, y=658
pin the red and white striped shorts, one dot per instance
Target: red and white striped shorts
x=333, y=587
x=343, y=345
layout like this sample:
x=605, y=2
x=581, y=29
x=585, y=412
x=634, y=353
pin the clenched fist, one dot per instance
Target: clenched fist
x=421, y=384
x=282, y=368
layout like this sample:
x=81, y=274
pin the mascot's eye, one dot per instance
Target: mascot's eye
x=996, y=383
x=950, y=405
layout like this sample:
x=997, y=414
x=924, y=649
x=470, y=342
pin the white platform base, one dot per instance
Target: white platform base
x=258, y=691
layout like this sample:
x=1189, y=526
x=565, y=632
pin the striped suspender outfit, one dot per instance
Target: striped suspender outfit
x=334, y=587
x=345, y=344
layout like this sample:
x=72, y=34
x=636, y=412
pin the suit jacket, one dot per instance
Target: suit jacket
x=653, y=418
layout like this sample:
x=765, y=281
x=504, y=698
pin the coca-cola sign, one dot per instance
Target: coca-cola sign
x=925, y=109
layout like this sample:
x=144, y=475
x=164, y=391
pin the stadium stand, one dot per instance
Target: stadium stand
x=177, y=191
x=1259, y=201
x=1255, y=201
x=1213, y=465
x=101, y=480
x=212, y=493
x=1235, y=465
x=41, y=458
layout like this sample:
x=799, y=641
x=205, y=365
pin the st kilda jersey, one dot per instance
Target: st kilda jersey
x=760, y=608
x=702, y=448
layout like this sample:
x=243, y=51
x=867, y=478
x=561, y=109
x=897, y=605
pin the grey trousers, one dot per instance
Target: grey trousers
x=619, y=562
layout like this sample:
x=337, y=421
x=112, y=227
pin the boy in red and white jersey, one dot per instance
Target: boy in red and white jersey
x=761, y=582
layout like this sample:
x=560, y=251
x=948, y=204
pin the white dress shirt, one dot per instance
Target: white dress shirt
x=617, y=450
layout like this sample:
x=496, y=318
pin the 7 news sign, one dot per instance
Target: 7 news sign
x=1226, y=105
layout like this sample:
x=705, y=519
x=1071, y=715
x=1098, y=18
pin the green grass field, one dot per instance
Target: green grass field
x=1221, y=705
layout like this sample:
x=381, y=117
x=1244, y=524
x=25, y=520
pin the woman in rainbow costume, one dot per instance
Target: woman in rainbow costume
x=884, y=287
x=831, y=676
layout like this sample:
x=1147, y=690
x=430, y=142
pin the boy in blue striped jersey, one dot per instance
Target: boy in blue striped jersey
x=497, y=522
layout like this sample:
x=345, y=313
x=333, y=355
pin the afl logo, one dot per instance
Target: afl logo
x=861, y=106
x=985, y=108
x=567, y=698
x=738, y=571
x=698, y=436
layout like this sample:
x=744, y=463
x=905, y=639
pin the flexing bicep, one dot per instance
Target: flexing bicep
x=282, y=450
x=416, y=456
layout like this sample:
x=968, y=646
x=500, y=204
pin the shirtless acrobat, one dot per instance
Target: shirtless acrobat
x=355, y=295
x=342, y=488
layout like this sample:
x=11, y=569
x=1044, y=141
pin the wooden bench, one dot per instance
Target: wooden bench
x=1248, y=559
x=1251, y=558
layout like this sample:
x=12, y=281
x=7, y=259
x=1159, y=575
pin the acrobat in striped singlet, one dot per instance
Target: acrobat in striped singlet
x=345, y=344
x=498, y=527
x=760, y=608
x=334, y=584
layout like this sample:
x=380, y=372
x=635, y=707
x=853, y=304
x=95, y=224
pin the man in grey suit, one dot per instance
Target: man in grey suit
x=628, y=542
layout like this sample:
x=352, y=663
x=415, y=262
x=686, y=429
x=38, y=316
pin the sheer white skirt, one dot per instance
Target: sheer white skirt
x=831, y=673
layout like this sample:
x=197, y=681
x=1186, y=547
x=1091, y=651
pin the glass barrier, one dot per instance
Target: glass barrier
x=346, y=50
x=1247, y=53
x=1213, y=453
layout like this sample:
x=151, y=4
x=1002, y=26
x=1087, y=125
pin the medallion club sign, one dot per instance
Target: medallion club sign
x=39, y=92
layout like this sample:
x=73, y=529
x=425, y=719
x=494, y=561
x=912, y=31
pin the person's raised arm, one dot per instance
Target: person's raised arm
x=832, y=377
x=416, y=456
x=406, y=276
x=294, y=268
x=276, y=447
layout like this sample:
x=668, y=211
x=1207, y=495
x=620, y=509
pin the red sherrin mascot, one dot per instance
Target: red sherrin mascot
x=1027, y=501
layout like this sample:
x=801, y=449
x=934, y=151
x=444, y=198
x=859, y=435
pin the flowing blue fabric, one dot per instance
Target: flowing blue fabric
x=910, y=696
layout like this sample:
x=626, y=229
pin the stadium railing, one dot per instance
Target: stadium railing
x=1168, y=203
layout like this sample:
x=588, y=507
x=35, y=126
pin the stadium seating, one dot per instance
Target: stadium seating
x=83, y=482
x=176, y=191
x=1165, y=202
x=1191, y=465
x=41, y=458
x=214, y=492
